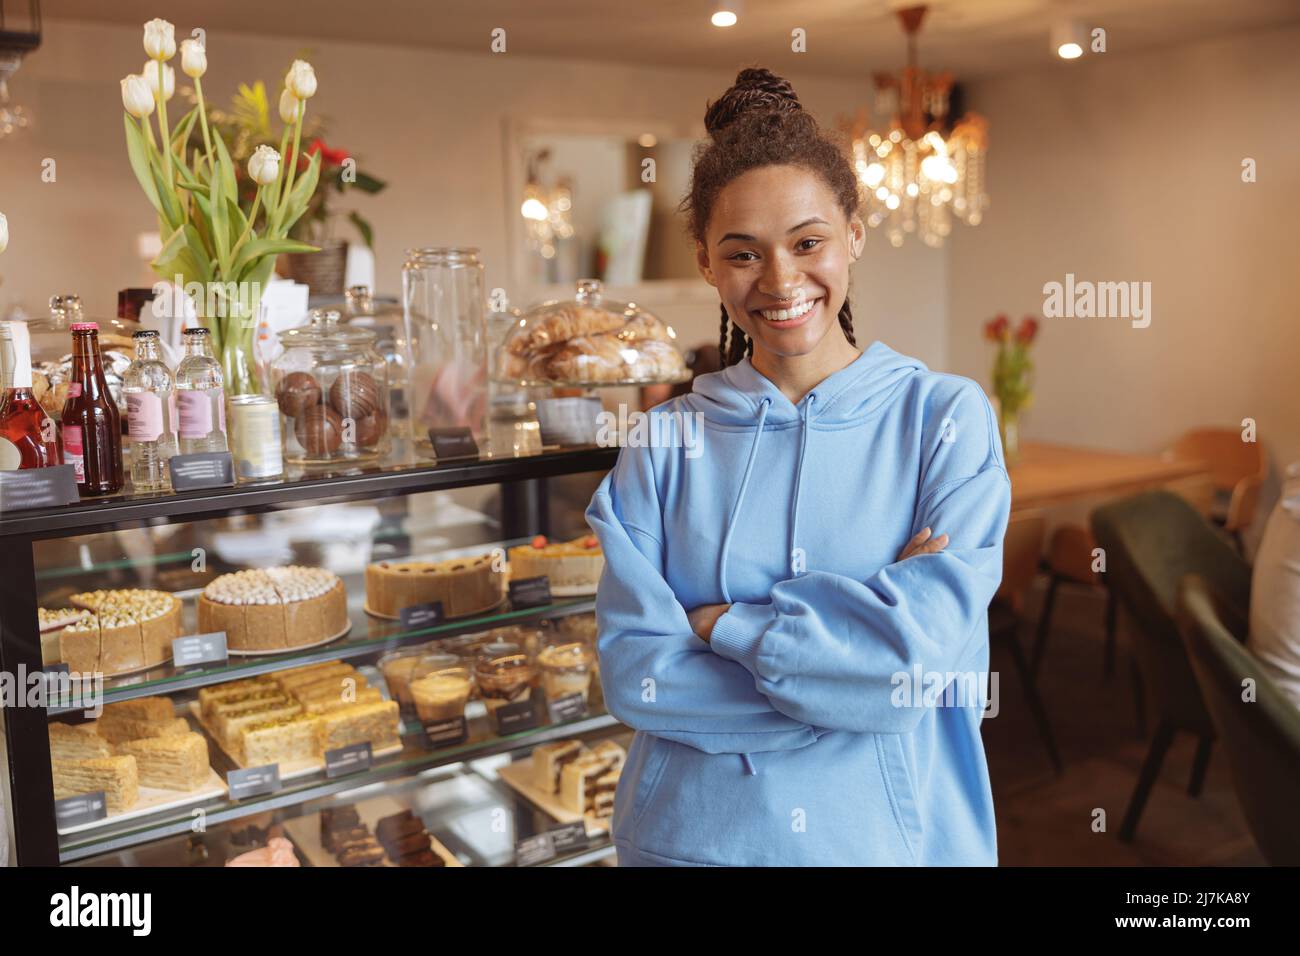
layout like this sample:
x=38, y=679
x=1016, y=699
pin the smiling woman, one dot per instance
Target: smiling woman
x=761, y=690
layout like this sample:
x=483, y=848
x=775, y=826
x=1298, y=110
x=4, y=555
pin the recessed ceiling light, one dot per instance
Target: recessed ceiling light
x=725, y=13
x=1068, y=39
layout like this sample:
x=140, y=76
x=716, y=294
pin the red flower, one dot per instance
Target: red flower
x=1028, y=329
x=328, y=157
x=997, y=329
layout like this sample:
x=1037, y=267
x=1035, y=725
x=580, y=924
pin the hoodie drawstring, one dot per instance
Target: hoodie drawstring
x=740, y=497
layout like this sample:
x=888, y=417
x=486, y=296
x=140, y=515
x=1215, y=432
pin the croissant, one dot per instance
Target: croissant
x=563, y=324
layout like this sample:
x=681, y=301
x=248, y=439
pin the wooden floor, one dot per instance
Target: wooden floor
x=1045, y=820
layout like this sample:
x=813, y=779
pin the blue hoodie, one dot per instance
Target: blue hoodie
x=814, y=727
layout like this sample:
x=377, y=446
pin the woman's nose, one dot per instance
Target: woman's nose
x=780, y=279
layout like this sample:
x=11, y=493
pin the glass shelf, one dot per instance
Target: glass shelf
x=413, y=759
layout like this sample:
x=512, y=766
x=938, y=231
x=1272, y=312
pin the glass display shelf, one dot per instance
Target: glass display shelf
x=368, y=637
x=415, y=757
x=475, y=818
x=403, y=471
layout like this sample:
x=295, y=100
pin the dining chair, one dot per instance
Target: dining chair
x=1151, y=541
x=1238, y=469
x=1070, y=561
x=1021, y=549
x=1260, y=733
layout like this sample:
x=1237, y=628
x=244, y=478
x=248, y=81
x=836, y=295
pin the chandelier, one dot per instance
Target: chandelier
x=20, y=34
x=547, y=212
x=917, y=173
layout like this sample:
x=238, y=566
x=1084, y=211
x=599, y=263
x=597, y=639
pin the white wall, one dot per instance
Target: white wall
x=1129, y=168
x=430, y=122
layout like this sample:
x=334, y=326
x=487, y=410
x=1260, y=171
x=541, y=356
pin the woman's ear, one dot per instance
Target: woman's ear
x=857, y=237
x=702, y=263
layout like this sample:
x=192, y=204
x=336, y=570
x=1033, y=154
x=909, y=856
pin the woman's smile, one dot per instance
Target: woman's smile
x=789, y=316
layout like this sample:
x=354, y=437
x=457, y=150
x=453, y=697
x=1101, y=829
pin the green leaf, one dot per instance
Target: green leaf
x=171, y=211
x=181, y=131
x=303, y=190
x=219, y=225
x=255, y=249
x=225, y=166
x=137, y=151
x=367, y=183
x=198, y=252
x=363, y=227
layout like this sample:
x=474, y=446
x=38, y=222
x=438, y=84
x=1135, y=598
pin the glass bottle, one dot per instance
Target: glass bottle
x=150, y=413
x=200, y=396
x=28, y=438
x=92, y=426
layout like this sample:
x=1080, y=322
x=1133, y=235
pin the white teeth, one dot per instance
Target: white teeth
x=785, y=315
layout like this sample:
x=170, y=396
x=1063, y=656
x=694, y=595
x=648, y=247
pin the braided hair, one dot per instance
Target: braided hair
x=760, y=122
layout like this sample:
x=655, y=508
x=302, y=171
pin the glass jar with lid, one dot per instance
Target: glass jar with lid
x=589, y=341
x=332, y=389
x=444, y=306
x=566, y=668
x=51, y=338
x=384, y=318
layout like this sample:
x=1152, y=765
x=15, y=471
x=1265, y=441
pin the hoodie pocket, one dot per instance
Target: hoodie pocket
x=901, y=792
x=658, y=751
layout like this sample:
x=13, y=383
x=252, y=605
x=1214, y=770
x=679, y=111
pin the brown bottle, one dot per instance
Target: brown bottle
x=92, y=427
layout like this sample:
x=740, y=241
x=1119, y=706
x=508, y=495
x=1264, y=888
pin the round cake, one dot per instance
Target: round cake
x=266, y=609
x=125, y=630
x=464, y=586
x=573, y=567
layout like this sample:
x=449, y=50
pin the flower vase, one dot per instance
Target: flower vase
x=1009, y=431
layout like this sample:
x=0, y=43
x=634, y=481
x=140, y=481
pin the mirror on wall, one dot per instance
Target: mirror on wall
x=598, y=200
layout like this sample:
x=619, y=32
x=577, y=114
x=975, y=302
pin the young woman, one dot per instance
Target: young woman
x=776, y=621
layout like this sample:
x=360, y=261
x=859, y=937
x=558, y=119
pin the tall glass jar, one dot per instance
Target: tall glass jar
x=444, y=309
x=332, y=389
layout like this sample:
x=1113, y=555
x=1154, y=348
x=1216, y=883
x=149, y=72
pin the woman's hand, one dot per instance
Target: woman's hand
x=923, y=544
x=704, y=617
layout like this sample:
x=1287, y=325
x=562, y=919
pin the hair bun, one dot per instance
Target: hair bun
x=756, y=90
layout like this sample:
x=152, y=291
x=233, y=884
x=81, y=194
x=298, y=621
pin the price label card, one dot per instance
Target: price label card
x=535, y=849
x=83, y=808
x=447, y=733
x=53, y=487
x=199, y=649
x=512, y=718
x=453, y=443
x=353, y=758
x=530, y=592
x=253, y=782
x=421, y=615
x=209, y=469
x=568, y=836
x=568, y=707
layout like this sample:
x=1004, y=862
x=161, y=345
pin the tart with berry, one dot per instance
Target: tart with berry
x=573, y=567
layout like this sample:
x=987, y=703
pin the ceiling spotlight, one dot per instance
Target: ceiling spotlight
x=1068, y=39
x=724, y=13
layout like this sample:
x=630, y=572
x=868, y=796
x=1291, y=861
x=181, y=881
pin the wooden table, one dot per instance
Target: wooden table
x=1052, y=474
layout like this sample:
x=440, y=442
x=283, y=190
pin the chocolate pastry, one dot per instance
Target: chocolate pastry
x=354, y=395
x=406, y=845
x=422, y=858
x=369, y=853
x=319, y=430
x=340, y=840
x=392, y=828
x=297, y=391
x=371, y=429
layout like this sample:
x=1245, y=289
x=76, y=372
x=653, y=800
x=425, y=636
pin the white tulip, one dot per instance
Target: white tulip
x=150, y=74
x=137, y=98
x=4, y=232
x=194, y=58
x=264, y=165
x=301, y=80
x=159, y=40
x=288, y=107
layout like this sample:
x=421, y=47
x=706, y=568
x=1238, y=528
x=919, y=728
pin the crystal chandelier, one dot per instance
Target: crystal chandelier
x=547, y=212
x=917, y=174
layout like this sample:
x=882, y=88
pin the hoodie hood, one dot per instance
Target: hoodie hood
x=736, y=395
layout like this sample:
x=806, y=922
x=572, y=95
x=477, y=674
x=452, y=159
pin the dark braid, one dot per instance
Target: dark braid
x=760, y=122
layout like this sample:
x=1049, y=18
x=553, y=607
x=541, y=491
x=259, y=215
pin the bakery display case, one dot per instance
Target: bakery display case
x=384, y=662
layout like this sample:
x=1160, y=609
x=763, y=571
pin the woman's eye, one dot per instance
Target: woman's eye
x=806, y=244
x=738, y=257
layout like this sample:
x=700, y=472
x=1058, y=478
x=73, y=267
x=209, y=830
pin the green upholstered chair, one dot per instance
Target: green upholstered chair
x=1261, y=736
x=1151, y=541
